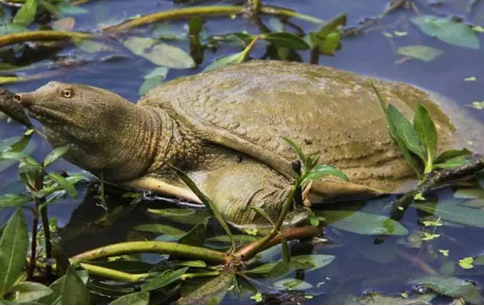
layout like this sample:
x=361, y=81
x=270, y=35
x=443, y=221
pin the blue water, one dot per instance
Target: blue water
x=362, y=262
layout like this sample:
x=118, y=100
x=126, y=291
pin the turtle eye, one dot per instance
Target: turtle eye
x=67, y=93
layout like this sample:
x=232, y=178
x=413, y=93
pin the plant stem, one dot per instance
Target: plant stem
x=201, y=274
x=45, y=226
x=433, y=180
x=248, y=252
x=33, y=245
x=114, y=274
x=220, y=10
x=15, y=38
x=159, y=247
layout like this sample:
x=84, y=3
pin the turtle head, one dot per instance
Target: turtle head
x=98, y=125
x=79, y=109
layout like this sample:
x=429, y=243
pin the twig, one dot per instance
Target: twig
x=201, y=274
x=159, y=247
x=15, y=38
x=222, y=10
x=33, y=245
x=45, y=225
x=433, y=180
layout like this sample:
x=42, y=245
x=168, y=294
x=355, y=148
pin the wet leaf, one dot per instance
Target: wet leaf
x=452, y=163
x=211, y=293
x=65, y=24
x=64, y=184
x=469, y=193
x=478, y=105
x=451, y=154
x=286, y=39
x=153, y=79
x=444, y=252
x=450, y=211
x=164, y=279
x=226, y=61
x=13, y=249
x=405, y=131
x=205, y=200
x=160, y=229
x=69, y=9
x=425, y=128
x=169, y=56
x=27, y=292
x=362, y=223
x=14, y=200
x=173, y=212
x=424, y=53
x=90, y=46
x=292, y=284
x=138, y=45
x=73, y=291
x=470, y=79
x=451, y=286
x=321, y=171
x=466, y=263
x=26, y=14
x=330, y=44
x=304, y=262
x=137, y=298
x=447, y=30
x=429, y=236
x=55, y=155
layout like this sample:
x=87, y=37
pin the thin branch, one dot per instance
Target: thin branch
x=221, y=10
x=433, y=180
x=114, y=274
x=158, y=247
x=15, y=38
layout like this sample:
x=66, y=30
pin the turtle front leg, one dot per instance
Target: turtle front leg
x=235, y=184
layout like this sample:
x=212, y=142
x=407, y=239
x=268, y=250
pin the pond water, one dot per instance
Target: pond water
x=363, y=262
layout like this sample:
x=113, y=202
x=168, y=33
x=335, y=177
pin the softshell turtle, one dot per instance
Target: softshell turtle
x=225, y=128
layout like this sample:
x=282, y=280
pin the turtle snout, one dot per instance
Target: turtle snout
x=24, y=99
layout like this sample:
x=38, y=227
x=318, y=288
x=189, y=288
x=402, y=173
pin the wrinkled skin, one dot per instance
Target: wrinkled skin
x=225, y=129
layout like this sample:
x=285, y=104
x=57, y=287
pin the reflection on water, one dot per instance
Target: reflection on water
x=363, y=262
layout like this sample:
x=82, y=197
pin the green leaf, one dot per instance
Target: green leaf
x=466, y=263
x=300, y=262
x=286, y=39
x=164, y=279
x=452, y=163
x=27, y=293
x=64, y=184
x=205, y=200
x=405, y=131
x=69, y=9
x=263, y=213
x=292, y=284
x=451, y=286
x=362, y=223
x=173, y=212
x=90, y=46
x=447, y=30
x=330, y=44
x=210, y=293
x=153, y=79
x=26, y=15
x=297, y=150
x=450, y=211
x=451, y=154
x=160, y=229
x=13, y=249
x=196, y=236
x=423, y=53
x=55, y=155
x=137, y=298
x=14, y=200
x=321, y=171
x=195, y=25
x=226, y=61
x=192, y=264
x=427, y=134
x=73, y=291
x=138, y=45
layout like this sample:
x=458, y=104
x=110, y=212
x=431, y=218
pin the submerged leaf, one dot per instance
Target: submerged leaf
x=451, y=286
x=362, y=223
x=137, y=298
x=170, y=56
x=13, y=249
x=447, y=30
x=451, y=211
x=211, y=293
x=424, y=53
